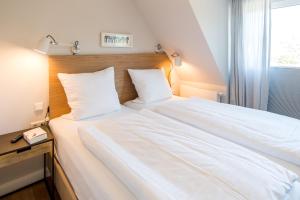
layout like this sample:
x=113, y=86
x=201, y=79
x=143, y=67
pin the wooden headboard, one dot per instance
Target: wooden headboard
x=91, y=63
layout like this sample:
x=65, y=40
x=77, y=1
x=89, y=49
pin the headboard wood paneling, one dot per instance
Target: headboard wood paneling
x=91, y=63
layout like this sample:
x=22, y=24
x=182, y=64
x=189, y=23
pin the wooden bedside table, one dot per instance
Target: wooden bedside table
x=20, y=151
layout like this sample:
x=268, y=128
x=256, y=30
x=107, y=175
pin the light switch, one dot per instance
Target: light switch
x=39, y=106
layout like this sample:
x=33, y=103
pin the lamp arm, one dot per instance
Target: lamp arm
x=53, y=41
x=175, y=54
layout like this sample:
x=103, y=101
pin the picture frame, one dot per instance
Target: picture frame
x=116, y=40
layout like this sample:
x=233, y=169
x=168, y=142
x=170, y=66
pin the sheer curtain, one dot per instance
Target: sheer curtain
x=250, y=53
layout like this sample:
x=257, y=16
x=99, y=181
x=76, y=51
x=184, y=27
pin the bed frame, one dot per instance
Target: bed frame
x=91, y=63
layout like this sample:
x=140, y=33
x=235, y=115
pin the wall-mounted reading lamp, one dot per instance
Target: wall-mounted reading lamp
x=159, y=49
x=175, y=56
x=177, y=59
x=45, y=43
x=176, y=62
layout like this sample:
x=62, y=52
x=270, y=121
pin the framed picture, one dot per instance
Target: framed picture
x=116, y=40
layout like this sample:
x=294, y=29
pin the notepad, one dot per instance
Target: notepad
x=35, y=135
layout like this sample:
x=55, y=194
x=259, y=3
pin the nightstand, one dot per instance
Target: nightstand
x=20, y=151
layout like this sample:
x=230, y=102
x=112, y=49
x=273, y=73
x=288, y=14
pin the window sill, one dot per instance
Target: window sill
x=286, y=67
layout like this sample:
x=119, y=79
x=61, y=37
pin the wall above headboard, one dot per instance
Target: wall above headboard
x=26, y=72
x=91, y=63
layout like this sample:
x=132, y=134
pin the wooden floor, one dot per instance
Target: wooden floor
x=37, y=191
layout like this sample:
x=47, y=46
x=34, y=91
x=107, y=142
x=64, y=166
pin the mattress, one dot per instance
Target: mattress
x=169, y=108
x=89, y=177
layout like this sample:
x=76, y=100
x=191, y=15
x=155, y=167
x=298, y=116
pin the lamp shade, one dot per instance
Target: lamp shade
x=178, y=61
x=43, y=45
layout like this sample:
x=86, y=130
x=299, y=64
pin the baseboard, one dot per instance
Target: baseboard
x=20, y=182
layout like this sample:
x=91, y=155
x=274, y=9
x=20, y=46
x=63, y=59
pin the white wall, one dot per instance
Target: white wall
x=24, y=73
x=23, y=80
x=213, y=19
x=177, y=29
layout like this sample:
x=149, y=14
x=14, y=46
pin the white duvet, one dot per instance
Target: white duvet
x=159, y=158
x=273, y=134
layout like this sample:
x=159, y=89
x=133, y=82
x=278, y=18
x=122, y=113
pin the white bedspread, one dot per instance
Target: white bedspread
x=159, y=158
x=273, y=134
x=90, y=178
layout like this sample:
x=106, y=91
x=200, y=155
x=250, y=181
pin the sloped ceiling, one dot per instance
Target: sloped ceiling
x=194, y=29
x=212, y=17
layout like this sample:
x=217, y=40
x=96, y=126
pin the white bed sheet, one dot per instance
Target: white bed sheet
x=170, y=111
x=89, y=177
x=294, y=193
x=159, y=158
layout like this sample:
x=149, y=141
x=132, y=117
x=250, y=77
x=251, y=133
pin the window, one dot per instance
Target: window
x=285, y=34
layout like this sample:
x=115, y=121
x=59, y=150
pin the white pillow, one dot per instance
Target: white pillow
x=150, y=84
x=91, y=94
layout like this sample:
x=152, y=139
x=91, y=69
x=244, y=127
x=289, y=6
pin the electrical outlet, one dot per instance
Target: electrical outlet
x=36, y=123
x=39, y=106
x=39, y=123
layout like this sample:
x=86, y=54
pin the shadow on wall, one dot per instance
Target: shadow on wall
x=191, y=73
x=284, y=96
x=194, y=88
x=23, y=80
x=188, y=85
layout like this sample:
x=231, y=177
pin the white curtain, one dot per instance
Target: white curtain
x=250, y=53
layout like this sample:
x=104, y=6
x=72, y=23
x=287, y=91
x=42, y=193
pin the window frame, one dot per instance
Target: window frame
x=276, y=4
x=284, y=3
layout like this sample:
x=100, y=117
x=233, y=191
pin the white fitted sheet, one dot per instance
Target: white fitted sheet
x=90, y=179
x=159, y=158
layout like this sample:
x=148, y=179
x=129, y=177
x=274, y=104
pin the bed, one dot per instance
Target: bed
x=85, y=172
x=100, y=171
x=274, y=136
x=91, y=63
